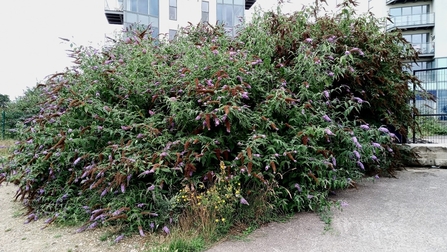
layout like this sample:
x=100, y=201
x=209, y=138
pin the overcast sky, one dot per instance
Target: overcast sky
x=30, y=47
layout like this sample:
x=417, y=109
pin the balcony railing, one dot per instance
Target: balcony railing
x=412, y=21
x=114, y=11
x=424, y=49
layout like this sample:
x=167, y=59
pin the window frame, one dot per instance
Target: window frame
x=173, y=7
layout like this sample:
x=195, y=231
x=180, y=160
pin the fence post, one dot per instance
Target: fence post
x=3, y=124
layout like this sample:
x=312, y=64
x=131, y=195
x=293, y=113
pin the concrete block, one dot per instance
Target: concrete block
x=430, y=154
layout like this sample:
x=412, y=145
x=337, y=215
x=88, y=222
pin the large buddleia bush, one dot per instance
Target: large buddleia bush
x=141, y=131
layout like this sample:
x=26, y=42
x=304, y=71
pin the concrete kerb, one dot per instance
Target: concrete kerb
x=430, y=154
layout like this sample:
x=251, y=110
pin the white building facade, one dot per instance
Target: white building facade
x=423, y=24
x=167, y=16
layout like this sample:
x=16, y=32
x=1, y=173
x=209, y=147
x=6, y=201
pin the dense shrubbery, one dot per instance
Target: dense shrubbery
x=146, y=134
x=17, y=111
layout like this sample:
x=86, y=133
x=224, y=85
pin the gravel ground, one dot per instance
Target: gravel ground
x=16, y=236
x=405, y=214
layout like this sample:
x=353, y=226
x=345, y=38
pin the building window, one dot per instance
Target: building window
x=172, y=34
x=230, y=13
x=412, y=15
x=412, y=10
x=173, y=9
x=142, y=13
x=420, y=42
x=205, y=11
x=153, y=8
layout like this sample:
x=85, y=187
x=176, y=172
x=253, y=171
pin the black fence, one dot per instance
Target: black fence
x=432, y=106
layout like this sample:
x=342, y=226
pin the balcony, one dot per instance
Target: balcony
x=413, y=22
x=114, y=11
x=424, y=50
x=404, y=1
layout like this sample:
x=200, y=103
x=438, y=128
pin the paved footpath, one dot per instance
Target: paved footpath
x=404, y=214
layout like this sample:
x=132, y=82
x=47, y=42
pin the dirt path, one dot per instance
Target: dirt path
x=17, y=236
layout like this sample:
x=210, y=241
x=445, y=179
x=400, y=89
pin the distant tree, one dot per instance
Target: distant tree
x=4, y=100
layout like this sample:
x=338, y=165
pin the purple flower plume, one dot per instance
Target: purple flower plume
x=298, y=187
x=244, y=201
x=77, y=161
x=326, y=118
x=384, y=130
x=104, y=193
x=377, y=145
x=360, y=165
x=93, y=225
x=357, y=154
x=364, y=127
x=166, y=230
x=141, y=232
x=119, y=238
x=329, y=132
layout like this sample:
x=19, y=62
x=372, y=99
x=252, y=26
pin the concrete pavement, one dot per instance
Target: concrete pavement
x=404, y=214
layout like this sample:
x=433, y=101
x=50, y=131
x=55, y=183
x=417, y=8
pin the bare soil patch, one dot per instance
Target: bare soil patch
x=17, y=236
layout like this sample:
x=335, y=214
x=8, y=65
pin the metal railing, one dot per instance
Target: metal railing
x=424, y=48
x=412, y=21
x=432, y=106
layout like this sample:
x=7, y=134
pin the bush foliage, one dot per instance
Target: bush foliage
x=146, y=133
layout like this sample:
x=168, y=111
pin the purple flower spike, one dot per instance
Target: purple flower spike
x=384, y=130
x=331, y=74
x=104, y=192
x=166, y=230
x=151, y=188
x=308, y=40
x=244, y=201
x=357, y=154
x=298, y=187
x=119, y=238
x=377, y=145
x=142, y=233
x=81, y=229
x=326, y=94
x=326, y=118
x=360, y=165
x=139, y=136
x=93, y=225
x=329, y=132
x=364, y=127
x=334, y=161
x=77, y=161
x=310, y=196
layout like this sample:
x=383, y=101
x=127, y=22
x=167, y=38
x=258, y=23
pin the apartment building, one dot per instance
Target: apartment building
x=423, y=24
x=167, y=16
